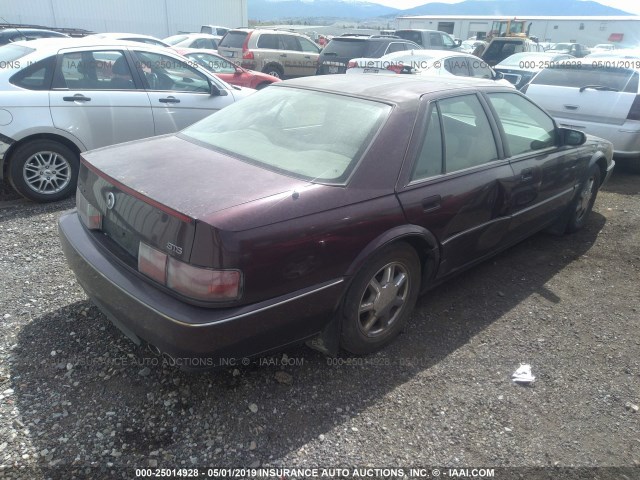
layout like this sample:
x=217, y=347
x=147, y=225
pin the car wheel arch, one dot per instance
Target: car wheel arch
x=600, y=160
x=422, y=240
x=73, y=145
x=5, y=163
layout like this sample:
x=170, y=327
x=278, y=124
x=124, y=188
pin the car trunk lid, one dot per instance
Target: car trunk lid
x=170, y=186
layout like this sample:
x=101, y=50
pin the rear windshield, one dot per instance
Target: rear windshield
x=578, y=76
x=311, y=135
x=175, y=39
x=10, y=53
x=500, y=50
x=346, y=48
x=410, y=35
x=233, y=40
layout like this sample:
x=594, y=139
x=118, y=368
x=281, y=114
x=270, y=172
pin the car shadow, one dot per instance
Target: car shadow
x=623, y=180
x=107, y=402
x=18, y=207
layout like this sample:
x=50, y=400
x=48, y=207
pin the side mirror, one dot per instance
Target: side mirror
x=572, y=137
x=239, y=71
x=498, y=75
x=457, y=42
x=215, y=91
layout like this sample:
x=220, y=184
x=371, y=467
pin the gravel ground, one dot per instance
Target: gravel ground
x=78, y=400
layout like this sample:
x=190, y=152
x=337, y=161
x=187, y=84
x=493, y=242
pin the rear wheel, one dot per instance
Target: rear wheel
x=44, y=171
x=274, y=70
x=380, y=299
x=583, y=203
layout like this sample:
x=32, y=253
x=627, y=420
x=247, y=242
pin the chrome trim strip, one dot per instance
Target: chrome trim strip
x=499, y=219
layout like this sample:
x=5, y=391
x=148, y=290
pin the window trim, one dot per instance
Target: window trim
x=503, y=134
x=418, y=132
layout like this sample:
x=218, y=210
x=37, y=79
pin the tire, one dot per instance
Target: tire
x=581, y=206
x=367, y=330
x=274, y=70
x=44, y=171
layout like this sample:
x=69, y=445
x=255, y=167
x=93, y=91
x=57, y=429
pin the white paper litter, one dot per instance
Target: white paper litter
x=523, y=374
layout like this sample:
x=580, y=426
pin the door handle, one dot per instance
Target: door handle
x=430, y=204
x=169, y=100
x=526, y=175
x=78, y=97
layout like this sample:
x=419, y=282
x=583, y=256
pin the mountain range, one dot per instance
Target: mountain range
x=265, y=10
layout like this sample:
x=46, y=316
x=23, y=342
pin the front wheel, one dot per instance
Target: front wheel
x=44, y=171
x=380, y=299
x=583, y=203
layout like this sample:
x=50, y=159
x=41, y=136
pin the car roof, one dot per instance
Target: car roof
x=390, y=88
x=117, y=35
x=53, y=45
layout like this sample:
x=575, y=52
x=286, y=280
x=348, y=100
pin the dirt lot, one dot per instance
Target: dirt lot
x=77, y=400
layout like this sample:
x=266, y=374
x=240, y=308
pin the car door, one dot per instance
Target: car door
x=456, y=182
x=292, y=56
x=310, y=55
x=545, y=173
x=179, y=94
x=97, y=97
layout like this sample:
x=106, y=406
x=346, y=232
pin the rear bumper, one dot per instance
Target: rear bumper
x=194, y=336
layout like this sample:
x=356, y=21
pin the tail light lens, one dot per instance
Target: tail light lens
x=396, y=68
x=199, y=283
x=202, y=283
x=89, y=215
x=152, y=262
x=634, y=111
x=352, y=64
x=247, y=55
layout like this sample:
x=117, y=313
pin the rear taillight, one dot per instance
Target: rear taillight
x=634, y=111
x=152, y=262
x=396, y=68
x=352, y=64
x=89, y=214
x=246, y=53
x=202, y=283
x=199, y=283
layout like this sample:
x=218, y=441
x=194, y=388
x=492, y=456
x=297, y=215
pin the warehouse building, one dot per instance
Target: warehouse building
x=159, y=18
x=624, y=30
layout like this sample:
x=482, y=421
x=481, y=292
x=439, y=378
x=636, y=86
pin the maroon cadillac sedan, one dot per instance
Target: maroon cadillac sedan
x=318, y=209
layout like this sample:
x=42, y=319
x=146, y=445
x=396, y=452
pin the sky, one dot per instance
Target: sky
x=631, y=6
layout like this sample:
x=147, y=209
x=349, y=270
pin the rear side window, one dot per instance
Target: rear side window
x=468, y=137
x=619, y=79
x=289, y=42
x=458, y=66
x=233, y=39
x=429, y=162
x=345, y=48
x=268, y=41
x=36, y=76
